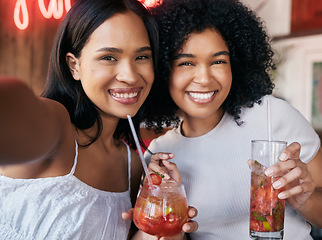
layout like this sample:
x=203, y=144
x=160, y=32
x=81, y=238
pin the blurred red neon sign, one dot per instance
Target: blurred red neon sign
x=150, y=3
x=54, y=9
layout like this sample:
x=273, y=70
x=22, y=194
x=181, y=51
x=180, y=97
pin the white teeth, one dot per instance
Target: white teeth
x=201, y=95
x=125, y=95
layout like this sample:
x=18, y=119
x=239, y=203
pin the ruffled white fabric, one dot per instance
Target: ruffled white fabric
x=61, y=208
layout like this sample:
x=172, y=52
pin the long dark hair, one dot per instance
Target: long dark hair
x=80, y=22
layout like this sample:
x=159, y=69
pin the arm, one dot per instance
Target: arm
x=312, y=209
x=30, y=126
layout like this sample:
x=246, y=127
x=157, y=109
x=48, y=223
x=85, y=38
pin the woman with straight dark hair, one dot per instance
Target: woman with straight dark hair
x=68, y=166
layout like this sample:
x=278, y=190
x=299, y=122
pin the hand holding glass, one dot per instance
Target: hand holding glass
x=161, y=210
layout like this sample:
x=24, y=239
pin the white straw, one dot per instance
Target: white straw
x=145, y=167
x=269, y=121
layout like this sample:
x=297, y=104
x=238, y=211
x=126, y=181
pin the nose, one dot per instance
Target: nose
x=202, y=76
x=127, y=73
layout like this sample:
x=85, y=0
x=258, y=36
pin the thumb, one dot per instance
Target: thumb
x=128, y=215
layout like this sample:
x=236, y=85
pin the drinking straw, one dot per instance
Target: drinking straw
x=271, y=146
x=138, y=146
x=269, y=121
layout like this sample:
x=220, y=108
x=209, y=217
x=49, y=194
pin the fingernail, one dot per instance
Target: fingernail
x=194, y=213
x=281, y=196
x=165, y=162
x=165, y=155
x=277, y=184
x=166, y=176
x=283, y=157
x=269, y=172
x=188, y=228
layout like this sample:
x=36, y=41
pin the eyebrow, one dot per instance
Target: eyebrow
x=118, y=50
x=143, y=49
x=189, y=55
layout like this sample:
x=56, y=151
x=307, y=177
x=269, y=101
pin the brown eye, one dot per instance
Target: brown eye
x=220, y=62
x=143, y=57
x=185, y=64
x=109, y=58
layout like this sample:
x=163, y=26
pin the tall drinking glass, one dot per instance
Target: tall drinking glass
x=266, y=209
x=161, y=210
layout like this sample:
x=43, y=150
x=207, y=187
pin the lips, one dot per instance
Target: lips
x=125, y=95
x=202, y=97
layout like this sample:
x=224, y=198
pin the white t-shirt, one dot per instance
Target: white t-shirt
x=216, y=175
x=62, y=208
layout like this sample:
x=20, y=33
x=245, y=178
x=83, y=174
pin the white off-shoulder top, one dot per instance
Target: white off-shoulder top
x=62, y=208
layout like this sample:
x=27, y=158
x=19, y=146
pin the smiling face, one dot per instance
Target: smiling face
x=116, y=65
x=201, y=76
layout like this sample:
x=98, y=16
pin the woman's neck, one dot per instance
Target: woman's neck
x=196, y=127
x=106, y=136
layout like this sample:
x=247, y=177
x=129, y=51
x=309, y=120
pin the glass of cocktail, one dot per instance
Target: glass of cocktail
x=266, y=209
x=161, y=210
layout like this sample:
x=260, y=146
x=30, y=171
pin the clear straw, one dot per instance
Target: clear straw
x=269, y=129
x=269, y=121
x=145, y=167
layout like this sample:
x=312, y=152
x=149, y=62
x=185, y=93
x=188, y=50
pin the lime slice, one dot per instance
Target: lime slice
x=267, y=226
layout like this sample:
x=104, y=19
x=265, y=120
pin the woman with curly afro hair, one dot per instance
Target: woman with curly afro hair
x=215, y=88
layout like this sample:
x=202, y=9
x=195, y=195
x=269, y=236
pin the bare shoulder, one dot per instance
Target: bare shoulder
x=136, y=163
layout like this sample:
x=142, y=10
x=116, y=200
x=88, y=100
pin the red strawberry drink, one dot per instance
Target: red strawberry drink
x=266, y=209
x=161, y=210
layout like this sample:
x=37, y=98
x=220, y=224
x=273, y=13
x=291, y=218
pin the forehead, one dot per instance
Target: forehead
x=119, y=30
x=201, y=41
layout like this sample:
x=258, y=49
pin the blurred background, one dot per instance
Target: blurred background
x=27, y=29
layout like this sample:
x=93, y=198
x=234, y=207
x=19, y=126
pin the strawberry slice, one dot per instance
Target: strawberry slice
x=156, y=178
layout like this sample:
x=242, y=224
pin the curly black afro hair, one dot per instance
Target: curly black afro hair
x=247, y=40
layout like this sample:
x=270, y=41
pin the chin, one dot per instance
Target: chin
x=124, y=115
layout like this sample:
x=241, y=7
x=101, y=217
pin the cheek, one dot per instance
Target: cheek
x=178, y=79
x=178, y=85
x=228, y=83
x=224, y=78
x=150, y=80
x=172, y=87
x=176, y=91
x=148, y=74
